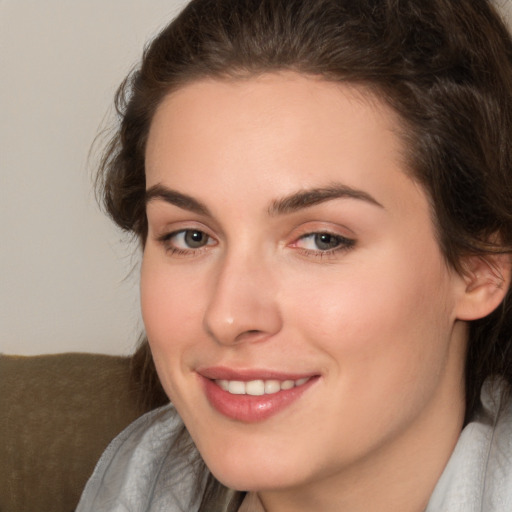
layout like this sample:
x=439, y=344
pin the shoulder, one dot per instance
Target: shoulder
x=497, y=479
x=150, y=467
x=478, y=475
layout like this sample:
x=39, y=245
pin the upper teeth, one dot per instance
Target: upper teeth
x=258, y=387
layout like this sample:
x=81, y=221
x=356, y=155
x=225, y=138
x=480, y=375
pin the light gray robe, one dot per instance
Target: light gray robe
x=140, y=472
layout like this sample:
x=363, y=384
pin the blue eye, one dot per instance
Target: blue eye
x=324, y=242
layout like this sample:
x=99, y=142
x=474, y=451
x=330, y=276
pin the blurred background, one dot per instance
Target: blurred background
x=68, y=279
x=65, y=280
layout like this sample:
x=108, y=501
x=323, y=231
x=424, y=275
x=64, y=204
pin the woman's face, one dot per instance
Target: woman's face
x=301, y=315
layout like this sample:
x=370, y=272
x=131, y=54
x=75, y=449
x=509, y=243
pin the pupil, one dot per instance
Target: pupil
x=325, y=241
x=195, y=239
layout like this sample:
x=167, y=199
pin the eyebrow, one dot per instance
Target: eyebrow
x=176, y=198
x=288, y=204
x=310, y=197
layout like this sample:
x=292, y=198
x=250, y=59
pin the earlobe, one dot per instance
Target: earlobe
x=487, y=280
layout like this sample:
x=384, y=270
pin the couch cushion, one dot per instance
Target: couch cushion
x=57, y=415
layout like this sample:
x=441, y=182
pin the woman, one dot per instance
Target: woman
x=322, y=193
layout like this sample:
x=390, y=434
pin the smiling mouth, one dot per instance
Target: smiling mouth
x=243, y=397
x=259, y=387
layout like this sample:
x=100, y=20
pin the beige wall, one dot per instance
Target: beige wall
x=62, y=265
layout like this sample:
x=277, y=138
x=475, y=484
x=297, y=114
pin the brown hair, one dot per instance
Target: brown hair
x=444, y=66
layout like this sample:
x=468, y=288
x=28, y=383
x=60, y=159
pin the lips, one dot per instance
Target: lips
x=252, y=396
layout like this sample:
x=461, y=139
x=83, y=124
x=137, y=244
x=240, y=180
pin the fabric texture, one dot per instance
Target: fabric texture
x=142, y=472
x=478, y=476
x=58, y=413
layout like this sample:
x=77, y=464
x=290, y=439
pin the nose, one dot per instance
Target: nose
x=243, y=303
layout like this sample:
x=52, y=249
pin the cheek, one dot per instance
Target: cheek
x=389, y=321
x=163, y=315
x=385, y=333
x=171, y=311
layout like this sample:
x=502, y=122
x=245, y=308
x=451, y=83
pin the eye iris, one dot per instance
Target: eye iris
x=195, y=239
x=325, y=241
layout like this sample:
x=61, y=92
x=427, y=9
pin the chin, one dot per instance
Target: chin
x=255, y=479
x=255, y=469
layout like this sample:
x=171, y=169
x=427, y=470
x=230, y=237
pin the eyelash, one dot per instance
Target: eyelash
x=344, y=243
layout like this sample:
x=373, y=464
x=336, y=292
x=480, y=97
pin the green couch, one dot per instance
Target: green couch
x=57, y=415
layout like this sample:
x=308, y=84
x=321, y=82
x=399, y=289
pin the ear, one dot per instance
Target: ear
x=487, y=280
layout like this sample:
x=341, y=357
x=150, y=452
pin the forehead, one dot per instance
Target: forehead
x=271, y=110
x=278, y=132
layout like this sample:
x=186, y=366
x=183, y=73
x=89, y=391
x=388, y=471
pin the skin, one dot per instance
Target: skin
x=379, y=320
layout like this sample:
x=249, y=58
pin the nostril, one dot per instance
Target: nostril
x=250, y=334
